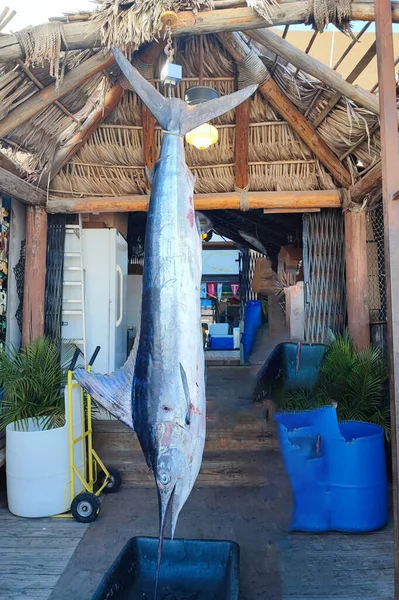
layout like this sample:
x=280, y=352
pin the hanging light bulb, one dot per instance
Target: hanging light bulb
x=205, y=135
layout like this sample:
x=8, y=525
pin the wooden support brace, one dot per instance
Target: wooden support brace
x=238, y=49
x=35, y=274
x=372, y=180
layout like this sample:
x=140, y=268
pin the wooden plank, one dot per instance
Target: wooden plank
x=390, y=181
x=369, y=182
x=231, y=200
x=238, y=49
x=41, y=100
x=14, y=186
x=81, y=35
x=357, y=278
x=242, y=144
x=317, y=69
x=35, y=274
x=353, y=75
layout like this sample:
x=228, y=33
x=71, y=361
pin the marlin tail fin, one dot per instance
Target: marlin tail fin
x=171, y=113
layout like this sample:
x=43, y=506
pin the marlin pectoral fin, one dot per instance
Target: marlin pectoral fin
x=186, y=392
x=113, y=392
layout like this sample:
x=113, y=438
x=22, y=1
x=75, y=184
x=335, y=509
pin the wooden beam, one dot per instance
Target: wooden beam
x=353, y=75
x=73, y=145
x=84, y=34
x=316, y=69
x=7, y=164
x=12, y=185
x=41, y=100
x=372, y=180
x=230, y=200
x=390, y=178
x=357, y=278
x=284, y=211
x=238, y=49
x=35, y=274
x=242, y=144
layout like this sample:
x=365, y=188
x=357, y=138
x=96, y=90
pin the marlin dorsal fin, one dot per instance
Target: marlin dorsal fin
x=172, y=113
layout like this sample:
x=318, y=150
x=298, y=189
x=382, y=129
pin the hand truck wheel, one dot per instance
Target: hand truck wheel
x=114, y=480
x=85, y=507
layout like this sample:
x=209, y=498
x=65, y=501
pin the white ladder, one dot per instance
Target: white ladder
x=73, y=328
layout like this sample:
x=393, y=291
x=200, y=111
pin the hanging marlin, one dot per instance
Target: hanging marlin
x=165, y=400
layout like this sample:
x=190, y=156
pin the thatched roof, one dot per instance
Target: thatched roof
x=112, y=161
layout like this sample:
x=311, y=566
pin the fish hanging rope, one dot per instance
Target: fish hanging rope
x=43, y=43
x=323, y=12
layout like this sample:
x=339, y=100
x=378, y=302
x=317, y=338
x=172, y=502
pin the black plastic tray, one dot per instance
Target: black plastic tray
x=190, y=570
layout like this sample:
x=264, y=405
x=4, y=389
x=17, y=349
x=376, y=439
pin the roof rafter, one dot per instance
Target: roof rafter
x=238, y=49
x=353, y=75
x=316, y=69
x=41, y=100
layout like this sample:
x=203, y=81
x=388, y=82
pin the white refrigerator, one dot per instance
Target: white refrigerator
x=105, y=288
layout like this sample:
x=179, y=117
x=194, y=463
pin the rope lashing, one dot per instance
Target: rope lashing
x=244, y=200
x=251, y=70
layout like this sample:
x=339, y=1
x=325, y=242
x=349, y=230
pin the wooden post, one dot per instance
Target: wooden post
x=390, y=181
x=356, y=278
x=241, y=144
x=35, y=274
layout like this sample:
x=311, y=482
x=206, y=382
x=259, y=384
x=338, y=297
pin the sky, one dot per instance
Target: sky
x=35, y=12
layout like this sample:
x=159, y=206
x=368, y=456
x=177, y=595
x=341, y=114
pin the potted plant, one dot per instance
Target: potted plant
x=353, y=380
x=33, y=415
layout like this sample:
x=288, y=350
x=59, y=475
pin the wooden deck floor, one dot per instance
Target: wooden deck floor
x=34, y=553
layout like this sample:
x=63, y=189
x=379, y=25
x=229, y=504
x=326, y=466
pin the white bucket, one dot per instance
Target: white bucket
x=37, y=465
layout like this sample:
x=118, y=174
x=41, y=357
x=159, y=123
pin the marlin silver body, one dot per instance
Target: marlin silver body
x=161, y=389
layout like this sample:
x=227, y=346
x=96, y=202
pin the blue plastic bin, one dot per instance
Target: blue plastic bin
x=223, y=342
x=337, y=471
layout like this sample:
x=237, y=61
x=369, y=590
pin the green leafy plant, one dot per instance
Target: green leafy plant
x=353, y=380
x=33, y=381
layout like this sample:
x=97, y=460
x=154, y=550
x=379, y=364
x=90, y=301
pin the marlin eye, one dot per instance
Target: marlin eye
x=164, y=478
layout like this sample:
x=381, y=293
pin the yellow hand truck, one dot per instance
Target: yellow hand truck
x=93, y=475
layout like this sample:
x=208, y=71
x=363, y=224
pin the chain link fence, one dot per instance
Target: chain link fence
x=377, y=295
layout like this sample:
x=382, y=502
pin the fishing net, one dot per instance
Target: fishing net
x=43, y=43
x=323, y=12
x=19, y=271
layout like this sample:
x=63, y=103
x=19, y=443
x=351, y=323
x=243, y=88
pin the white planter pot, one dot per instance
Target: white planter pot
x=37, y=465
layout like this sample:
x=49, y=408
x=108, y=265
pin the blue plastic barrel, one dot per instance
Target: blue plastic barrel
x=246, y=346
x=337, y=471
x=357, y=478
x=252, y=321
